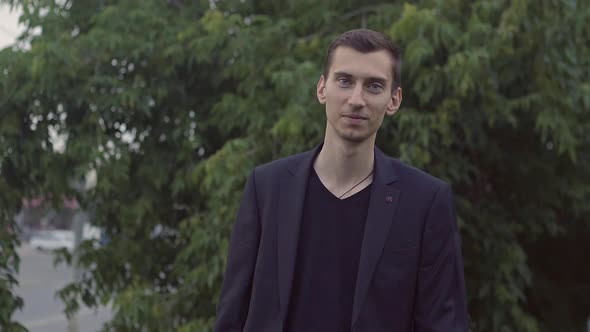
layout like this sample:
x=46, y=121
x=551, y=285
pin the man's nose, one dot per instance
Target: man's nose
x=356, y=99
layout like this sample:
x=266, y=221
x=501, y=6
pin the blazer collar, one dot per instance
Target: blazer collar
x=302, y=165
x=290, y=209
x=380, y=217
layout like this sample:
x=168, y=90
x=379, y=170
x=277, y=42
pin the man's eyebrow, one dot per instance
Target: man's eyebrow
x=381, y=80
x=342, y=73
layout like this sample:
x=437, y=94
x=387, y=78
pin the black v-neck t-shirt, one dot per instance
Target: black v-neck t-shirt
x=327, y=260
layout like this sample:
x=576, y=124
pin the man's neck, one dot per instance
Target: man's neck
x=340, y=162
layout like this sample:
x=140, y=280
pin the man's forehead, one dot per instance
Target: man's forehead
x=377, y=64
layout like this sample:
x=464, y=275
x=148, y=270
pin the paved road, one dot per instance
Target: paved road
x=39, y=282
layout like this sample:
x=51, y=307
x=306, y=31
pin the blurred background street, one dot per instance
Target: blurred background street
x=43, y=311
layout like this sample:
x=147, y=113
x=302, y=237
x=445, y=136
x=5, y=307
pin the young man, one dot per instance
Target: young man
x=343, y=237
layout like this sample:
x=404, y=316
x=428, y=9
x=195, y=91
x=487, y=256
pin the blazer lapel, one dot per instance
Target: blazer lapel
x=290, y=210
x=382, y=206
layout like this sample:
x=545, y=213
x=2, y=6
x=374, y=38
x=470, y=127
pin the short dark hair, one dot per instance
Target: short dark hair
x=365, y=41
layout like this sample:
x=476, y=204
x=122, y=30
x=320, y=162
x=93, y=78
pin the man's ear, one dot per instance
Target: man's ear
x=321, y=90
x=395, y=102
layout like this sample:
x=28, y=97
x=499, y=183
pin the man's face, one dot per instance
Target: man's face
x=357, y=94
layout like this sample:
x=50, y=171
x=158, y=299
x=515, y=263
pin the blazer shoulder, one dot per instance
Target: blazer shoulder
x=415, y=177
x=275, y=169
x=279, y=165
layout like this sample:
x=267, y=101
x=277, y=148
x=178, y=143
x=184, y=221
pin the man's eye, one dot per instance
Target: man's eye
x=375, y=87
x=343, y=82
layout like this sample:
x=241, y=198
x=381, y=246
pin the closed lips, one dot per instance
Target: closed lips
x=355, y=116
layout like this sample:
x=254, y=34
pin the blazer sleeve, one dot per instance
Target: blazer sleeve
x=440, y=294
x=232, y=308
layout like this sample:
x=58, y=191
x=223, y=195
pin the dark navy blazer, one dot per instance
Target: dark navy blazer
x=410, y=275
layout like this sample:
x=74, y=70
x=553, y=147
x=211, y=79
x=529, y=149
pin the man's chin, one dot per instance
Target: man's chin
x=354, y=137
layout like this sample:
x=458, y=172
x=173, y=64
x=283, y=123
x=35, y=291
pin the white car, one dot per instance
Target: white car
x=52, y=240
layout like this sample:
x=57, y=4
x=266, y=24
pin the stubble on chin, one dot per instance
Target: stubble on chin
x=352, y=136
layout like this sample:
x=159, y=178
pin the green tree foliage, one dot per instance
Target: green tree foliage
x=174, y=102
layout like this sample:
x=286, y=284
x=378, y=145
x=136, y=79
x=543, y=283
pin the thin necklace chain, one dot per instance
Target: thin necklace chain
x=356, y=185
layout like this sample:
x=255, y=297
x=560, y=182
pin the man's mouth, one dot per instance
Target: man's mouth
x=355, y=116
